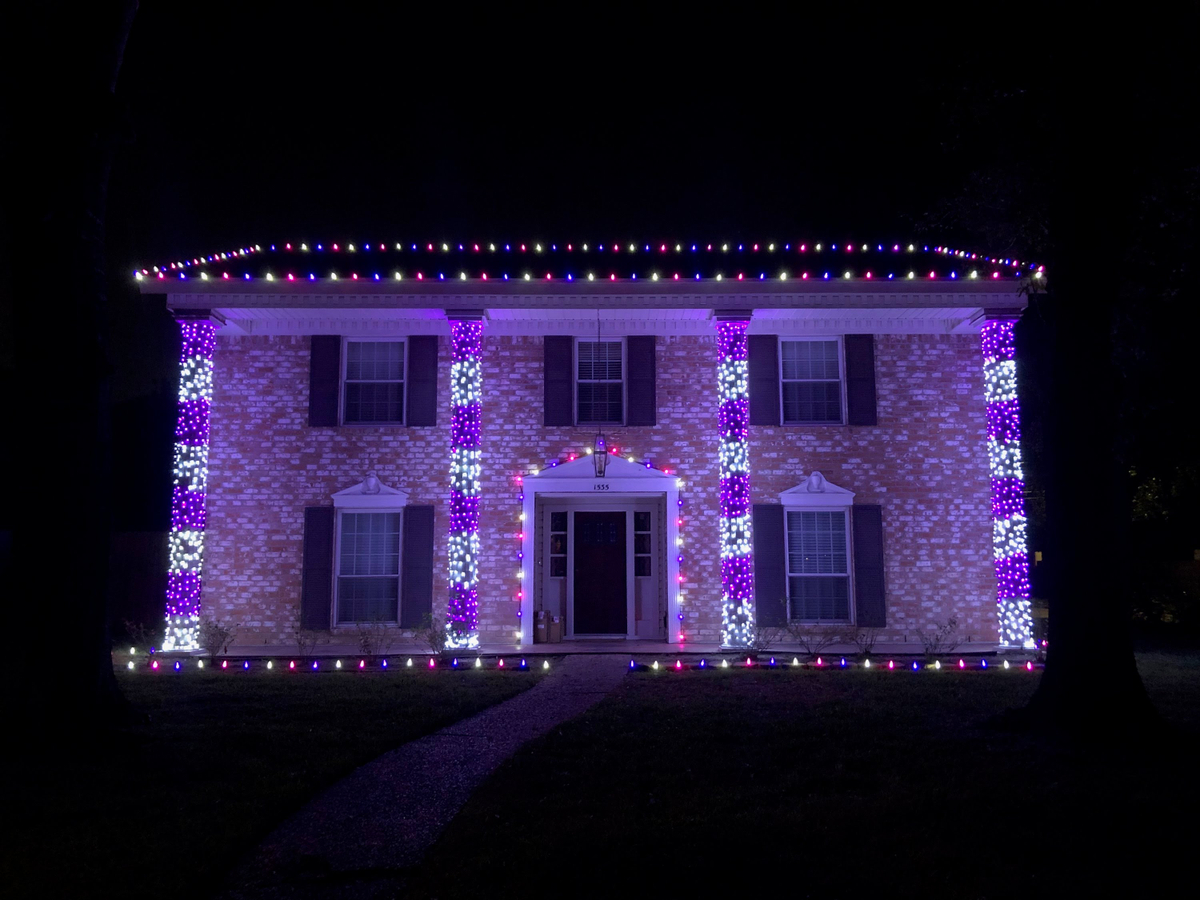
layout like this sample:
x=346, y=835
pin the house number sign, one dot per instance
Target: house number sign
x=601, y=486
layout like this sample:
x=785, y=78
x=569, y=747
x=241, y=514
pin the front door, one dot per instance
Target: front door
x=600, y=551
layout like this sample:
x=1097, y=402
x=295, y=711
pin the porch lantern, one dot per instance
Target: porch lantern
x=599, y=455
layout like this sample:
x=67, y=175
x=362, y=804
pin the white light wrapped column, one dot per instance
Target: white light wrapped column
x=189, y=494
x=737, y=553
x=466, y=397
x=1008, y=484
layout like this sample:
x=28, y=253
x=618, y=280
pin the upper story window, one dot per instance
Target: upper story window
x=599, y=384
x=368, y=573
x=818, y=566
x=811, y=381
x=374, y=382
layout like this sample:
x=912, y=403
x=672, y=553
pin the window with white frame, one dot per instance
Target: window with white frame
x=811, y=381
x=373, y=388
x=368, y=576
x=818, y=564
x=600, y=384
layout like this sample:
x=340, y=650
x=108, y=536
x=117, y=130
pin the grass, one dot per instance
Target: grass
x=829, y=784
x=169, y=806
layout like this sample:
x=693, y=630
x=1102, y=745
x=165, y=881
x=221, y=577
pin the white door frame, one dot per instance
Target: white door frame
x=625, y=482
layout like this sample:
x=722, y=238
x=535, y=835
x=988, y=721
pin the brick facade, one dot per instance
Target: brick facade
x=925, y=462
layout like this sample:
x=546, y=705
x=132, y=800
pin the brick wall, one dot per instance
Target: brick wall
x=925, y=463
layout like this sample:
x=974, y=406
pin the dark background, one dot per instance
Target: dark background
x=260, y=123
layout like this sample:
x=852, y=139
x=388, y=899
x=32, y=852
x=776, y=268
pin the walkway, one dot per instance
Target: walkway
x=356, y=839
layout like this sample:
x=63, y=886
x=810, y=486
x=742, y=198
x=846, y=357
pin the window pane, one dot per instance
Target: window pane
x=641, y=543
x=558, y=543
x=641, y=521
x=812, y=401
x=599, y=360
x=367, y=599
x=558, y=567
x=817, y=543
x=375, y=360
x=558, y=521
x=370, y=544
x=641, y=566
x=820, y=599
x=810, y=359
x=600, y=401
x=374, y=402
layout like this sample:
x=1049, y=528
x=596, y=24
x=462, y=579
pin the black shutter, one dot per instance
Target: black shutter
x=422, y=380
x=316, y=581
x=764, y=378
x=770, y=566
x=860, y=379
x=643, y=406
x=559, y=385
x=869, y=603
x=324, y=378
x=416, y=583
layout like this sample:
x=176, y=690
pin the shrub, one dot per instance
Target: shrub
x=215, y=636
x=943, y=639
x=433, y=632
x=306, y=640
x=813, y=639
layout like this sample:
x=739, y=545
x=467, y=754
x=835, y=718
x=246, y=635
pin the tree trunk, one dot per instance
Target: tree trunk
x=62, y=532
x=1091, y=680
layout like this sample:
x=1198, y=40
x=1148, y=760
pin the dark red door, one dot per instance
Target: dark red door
x=600, y=573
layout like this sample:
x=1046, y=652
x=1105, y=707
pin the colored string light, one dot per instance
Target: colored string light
x=472, y=261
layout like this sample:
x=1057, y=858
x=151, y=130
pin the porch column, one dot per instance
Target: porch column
x=466, y=397
x=1008, y=483
x=188, y=495
x=733, y=418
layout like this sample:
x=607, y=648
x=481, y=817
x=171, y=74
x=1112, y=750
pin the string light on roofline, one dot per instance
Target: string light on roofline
x=217, y=264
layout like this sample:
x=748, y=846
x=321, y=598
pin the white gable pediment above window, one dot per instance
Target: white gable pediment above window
x=370, y=493
x=815, y=492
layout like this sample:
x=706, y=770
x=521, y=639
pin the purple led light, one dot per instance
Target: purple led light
x=187, y=509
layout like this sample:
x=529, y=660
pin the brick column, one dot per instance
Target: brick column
x=1008, y=483
x=188, y=495
x=733, y=419
x=466, y=387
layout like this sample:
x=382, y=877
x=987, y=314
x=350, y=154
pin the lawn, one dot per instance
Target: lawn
x=829, y=784
x=167, y=807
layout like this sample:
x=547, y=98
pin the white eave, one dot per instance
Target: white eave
x=879, y=307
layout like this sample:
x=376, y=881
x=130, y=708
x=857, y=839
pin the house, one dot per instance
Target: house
x=679, y=443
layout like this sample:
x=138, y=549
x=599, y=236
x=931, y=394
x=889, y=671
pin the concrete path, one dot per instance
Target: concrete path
x=356, y=839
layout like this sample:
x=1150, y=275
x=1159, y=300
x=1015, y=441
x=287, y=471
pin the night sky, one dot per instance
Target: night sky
x=261, y=124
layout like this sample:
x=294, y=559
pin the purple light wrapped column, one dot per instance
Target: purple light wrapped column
x=188, y=516
x=466, y=397
x=1009, y=550
x=733, y=419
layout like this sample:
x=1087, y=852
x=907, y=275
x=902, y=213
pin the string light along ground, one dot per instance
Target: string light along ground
x=524, y=664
